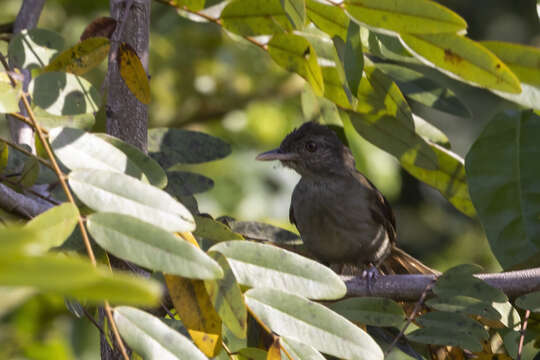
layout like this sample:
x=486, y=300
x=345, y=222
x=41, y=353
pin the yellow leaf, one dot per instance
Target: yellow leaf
x=274, y=351
x=82, y=57
x=132, y=71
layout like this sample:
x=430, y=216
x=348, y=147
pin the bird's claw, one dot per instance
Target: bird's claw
x=371, y=276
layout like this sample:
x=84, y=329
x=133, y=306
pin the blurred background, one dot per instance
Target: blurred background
x=204, y=79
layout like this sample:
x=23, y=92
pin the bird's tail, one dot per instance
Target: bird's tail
x=399, y=262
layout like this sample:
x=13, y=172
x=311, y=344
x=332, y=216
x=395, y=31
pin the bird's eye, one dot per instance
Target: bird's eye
x=311, y=146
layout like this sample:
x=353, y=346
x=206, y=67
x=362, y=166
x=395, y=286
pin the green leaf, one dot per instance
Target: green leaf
x=251, y=353
x=385, y=46
x=183, y=183
x=78, y=149
x=16, y=240
x=4, y=155
x=150, y=168
x=521, y=59
x=77, y=278
x=530, y=301
x=464, y=59
x=227, y=298
x=55, y=225
x=151, y=247
x=330, y=19
x=82, y=57
x=12, y=297
x=151, y=338
x=414, y=16
x=430, y=132
x=313, y=324
x=260, y=265
x=295, y=53
x=29, y=173
x=9, y=95
x=171, y=146
x=505, y=196
x=416, y=86
x=299, y=350
x=295, y=11
x=253, y=17
x=194, y=5
x=34, y=48
x=209, y=228
x=449, y=329
x=114, y=192
x=353, y=62
x=464, y=304
x=529, y=96
x=64, y=94
x=370, y=311
x=263, y=232
x=49, y=121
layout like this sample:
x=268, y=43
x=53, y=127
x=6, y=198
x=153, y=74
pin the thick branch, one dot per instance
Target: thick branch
x=21, y=204
x=410, y=287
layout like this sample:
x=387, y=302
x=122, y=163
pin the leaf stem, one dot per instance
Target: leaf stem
x=522, y=333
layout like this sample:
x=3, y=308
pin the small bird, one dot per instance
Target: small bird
x=341, y=216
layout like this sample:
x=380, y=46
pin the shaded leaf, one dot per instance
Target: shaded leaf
x=33, y=48
x=109, y=191
x=82, y=57
x=466, y=305
x=415, y=16
x=133, y=73
x=64, y=94
x=49, y=121
x=209, y=228
x=430, y=132
x=29, y=173
x=55, y=225
x=529, y=96
x=524, y=61
x=298, y=350
x=101, y=27
x=296, y=54
x=4, y=155
x=227, y=298
x=251, y=353
x=463, y=59
x=260, y=265
x=353, y=61
x=274, y=351
x=295, y=11
x=529, y=301
x=183, y=183
x=151, y=247
x=77, y=278
x=253, y=17
x=370, y=311
x=330, y=19
x=313, y=324
x=171, y=146
x=9, y=95
x=505, y=196
x=151, y=338
x=150, y=168
x=261, y=231
x=197, y=313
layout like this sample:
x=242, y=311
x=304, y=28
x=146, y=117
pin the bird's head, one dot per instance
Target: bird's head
x=311, y=150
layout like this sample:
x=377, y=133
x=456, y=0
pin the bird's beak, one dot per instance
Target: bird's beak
x=276, y=154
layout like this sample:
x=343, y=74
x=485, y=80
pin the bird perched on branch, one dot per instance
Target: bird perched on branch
x=341, y=216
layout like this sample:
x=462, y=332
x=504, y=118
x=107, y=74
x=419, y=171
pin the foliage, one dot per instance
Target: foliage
x=367, y=65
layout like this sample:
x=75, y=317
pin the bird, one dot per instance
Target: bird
x=341, y=216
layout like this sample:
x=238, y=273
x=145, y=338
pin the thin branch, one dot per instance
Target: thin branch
x=14, y=201
x=522, y=333
x=50, y=200
x=410, y=287
x=26, y=152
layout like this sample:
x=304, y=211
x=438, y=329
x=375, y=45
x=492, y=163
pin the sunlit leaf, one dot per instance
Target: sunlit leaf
x=49, y=121
x=82, y=57
x=114, y=192
x=330, y=19
x=34, y=48
x=209, y=228
x=64, y=94
x=133, y=73
x=151, y=338
x=260, y=265
x=505, y=196
x=9, y=94
x=523, y=60
x=151, y=247
x=254, y=17
x=299, y=350
x=295, y=11
x=463, y=59
x=311, y=323
x=55, y=225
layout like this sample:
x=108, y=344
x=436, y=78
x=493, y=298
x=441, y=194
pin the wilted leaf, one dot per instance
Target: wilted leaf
x=34, y=48
x=114, y=192
x=260, y=265
x=370, y=311
x=313, y=324
x=133, y=73
x=253, y=17
x=171, y=146
x=100, y=27
x=82, y=57
x=64, y=94
x=295, y=53
x=183, y=183
x=151, y=338
x=505, y=196
x=414, y=16
x=227, y=298
x=464, y=59
x=151, y=247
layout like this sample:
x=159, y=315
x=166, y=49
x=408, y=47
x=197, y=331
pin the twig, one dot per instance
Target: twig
x=92, y=320
x=522, y=333
x=411, y=317
x=4, y=178
x=26, y=152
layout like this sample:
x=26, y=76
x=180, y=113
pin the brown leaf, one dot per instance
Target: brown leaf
x=100, y=27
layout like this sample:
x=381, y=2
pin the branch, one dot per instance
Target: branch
x=24, y=205
x=410, y=287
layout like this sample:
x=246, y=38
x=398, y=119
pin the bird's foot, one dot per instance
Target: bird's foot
x=371, y=276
